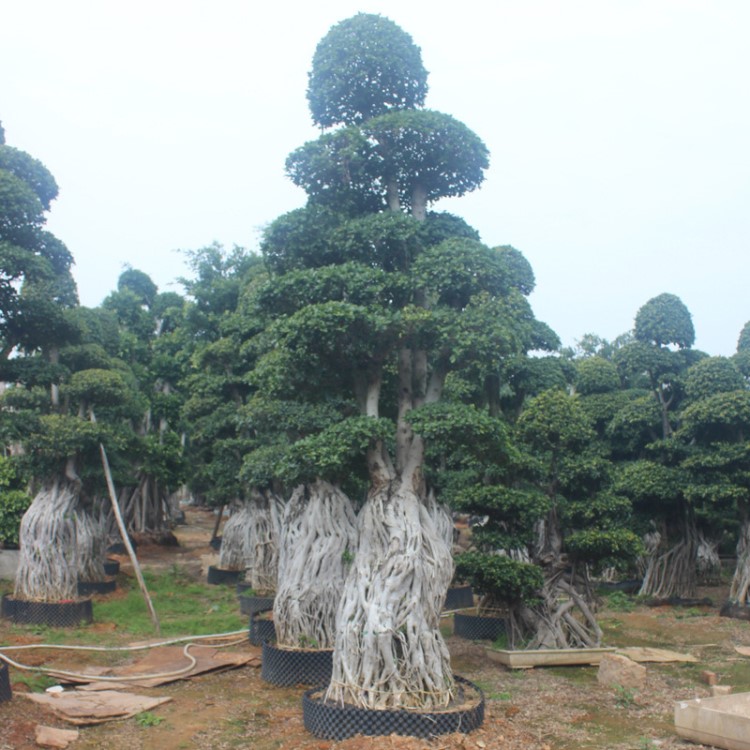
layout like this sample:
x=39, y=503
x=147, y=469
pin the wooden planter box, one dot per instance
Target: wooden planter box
x=722, y=721
x=547, y=657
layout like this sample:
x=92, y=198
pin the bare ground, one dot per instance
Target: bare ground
x=561, y=708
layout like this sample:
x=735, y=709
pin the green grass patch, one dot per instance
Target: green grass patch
x=183, y=606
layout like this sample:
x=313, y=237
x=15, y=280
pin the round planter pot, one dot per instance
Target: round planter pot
x=218, y=576
x=253, y=605
x=477, y=628
x=87, y=588
x=5, y=692
x=336, y=722
x=286, y=666
x=119, y=548
x=55, y=614
x=111, y=567
x=261, y=631
x=737, y=611
x=459, y=597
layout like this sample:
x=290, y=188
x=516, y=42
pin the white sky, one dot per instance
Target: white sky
x=618, y=132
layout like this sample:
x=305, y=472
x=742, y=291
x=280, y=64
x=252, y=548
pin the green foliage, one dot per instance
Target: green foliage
x=13, y=502
x=721, y=416
x=336, y=452
x=504, y=579
x=596, y=375
x=554, y=421
x=743, y=342
x=364, y=66
x=665, y=320
x=619, y=601
x=711, y=376
x=608, y=547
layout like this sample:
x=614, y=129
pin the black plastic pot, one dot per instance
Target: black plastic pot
x=478, y=628
x=285, y=666
x=252, y=605
x=261, y=631
x=87, y=588
x=737, y=611
x=111, y=567
x=118, y=548
x=331, y=721
x=459, y=597
x=242, y=587
x=55, y=614
x=219, y=576
x=5, y=691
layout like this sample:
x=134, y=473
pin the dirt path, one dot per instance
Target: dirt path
x=540, y=709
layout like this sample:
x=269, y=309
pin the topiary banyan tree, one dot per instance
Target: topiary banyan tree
x=371, y=306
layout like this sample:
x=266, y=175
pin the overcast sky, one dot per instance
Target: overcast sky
x=618, y=132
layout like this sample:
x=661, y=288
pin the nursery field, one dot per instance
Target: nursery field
x=553, y=708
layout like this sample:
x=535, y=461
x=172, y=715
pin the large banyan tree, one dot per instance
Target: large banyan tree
x=375, y=298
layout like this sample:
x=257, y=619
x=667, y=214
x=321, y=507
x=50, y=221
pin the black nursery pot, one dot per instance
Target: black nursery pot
x=87, y=588
x=261, y=631
x=459, y=597
x=252, y=605
x=331, y=721
x=111, y=567
x=737, y=611
x=5, y=691
x=478, y=628
x=219, y=576
x=55, y=614
x=285, y=667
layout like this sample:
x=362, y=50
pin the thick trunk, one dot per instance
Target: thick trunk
x=48, y=565
x=318, y=541
x=739, y=591
x=262, y=541
x=233, y=539
x=389, y=652
x=707, y=559
x=146, y=509
x=564, y=616
x=91, y=543
x=670, y=570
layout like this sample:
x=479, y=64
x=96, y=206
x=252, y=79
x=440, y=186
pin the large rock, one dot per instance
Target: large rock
x=615, y=669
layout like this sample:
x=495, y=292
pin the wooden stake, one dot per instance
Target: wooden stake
x=126, y=540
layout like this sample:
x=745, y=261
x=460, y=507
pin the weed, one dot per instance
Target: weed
x=624, y=696
x=618, y=601
x=305, y=642
x=36, y=681
x=147, y=719
x=501, y=642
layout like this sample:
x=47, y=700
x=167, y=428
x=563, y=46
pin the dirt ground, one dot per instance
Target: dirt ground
x=561, y=708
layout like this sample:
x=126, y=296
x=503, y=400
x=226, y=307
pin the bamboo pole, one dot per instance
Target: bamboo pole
x=126, y=540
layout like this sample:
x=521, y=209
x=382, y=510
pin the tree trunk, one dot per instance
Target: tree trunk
x=389, y=652
x=91, y=542
x=318, y=541
x=670, y=570
x=739, y=591
x=564, y=617
x=262, y=541
x=233, y=538
x=48, y=564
